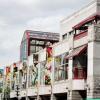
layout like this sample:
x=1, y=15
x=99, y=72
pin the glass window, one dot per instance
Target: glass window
x=32, y=49
x=37, y=48
x=65, y=36
x=24, y=50
x=61, y=67
x=35, y=57
x=71, y=32
x=33, y=75
x=33, y=41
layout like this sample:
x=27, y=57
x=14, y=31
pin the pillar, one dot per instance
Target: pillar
x=93, y=81
x=70, y=77
x=53, y=97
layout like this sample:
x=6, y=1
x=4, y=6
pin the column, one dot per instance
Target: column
x=93, y=81
x=70, y=77
x=52, y=80
x=54, y=97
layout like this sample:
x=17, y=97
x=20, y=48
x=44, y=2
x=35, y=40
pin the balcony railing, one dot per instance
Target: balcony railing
x=80, y=35
x=79, y=73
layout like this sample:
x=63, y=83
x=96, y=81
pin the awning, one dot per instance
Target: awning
x=76, y=51
x=90, y=18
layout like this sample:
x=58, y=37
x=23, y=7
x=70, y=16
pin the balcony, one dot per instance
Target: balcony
x=44, y=89
x=80, y=35
x=32, y=91
x=79, y=73
x=60, y=86
x=79, y=77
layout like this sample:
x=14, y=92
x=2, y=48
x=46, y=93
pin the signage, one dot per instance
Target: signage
x=44, y=35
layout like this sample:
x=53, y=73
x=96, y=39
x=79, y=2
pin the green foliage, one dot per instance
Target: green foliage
x=7, y=90
x=0, y=90
x=47, y=80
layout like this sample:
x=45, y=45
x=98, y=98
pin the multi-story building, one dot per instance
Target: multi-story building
x=68, y=70
x=33, y=41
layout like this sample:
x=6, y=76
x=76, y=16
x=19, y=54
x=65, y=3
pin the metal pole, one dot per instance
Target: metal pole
x=52, y=79
x=38, y=84
x=18, y=85
x=27, y=74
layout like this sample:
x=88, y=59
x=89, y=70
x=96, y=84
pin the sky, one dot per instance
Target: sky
x=16, y=16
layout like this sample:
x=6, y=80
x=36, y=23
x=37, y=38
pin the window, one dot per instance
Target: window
x=61, y=67
x=39, y=42
x=80, y=66
x=32, y=42
x=36, y=45
x=35, y=57
x=71, y=32
x=32, y=49
x=45, y=78
x=65, y=36
x=33, y=75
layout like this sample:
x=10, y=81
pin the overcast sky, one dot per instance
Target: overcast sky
x=16, y=16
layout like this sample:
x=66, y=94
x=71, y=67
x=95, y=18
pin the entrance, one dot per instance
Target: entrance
x=62, y=96
x=45, y=97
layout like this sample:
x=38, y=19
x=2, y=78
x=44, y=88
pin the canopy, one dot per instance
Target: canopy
x=76, y=51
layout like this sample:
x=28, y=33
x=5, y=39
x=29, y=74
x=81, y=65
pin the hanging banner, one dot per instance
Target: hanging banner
x=48, y=65
x=7, y=70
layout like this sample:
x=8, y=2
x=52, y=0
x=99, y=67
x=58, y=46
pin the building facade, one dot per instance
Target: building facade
x=33, y=41
x=67, y=70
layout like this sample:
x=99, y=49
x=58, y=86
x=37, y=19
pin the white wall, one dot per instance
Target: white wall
x=78, y=84
x=90, y=59
x=60, y=87
x=93, y=80
x=80, y=42
x=23, y=93
x=42, y=55
x=43, y=90
x=32, y=91
x=13, y=94
x=60, y=48
x=30, y=60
